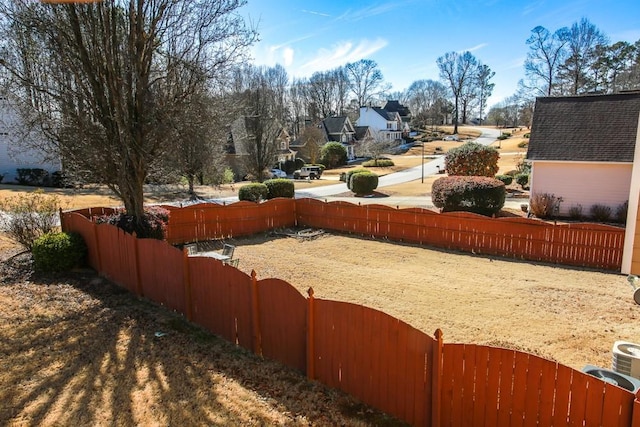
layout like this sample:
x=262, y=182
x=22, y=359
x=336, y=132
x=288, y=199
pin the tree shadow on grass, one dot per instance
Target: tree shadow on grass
x=79, y=350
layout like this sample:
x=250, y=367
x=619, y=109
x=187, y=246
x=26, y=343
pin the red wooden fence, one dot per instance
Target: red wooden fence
x=582, y=244
x=589, y=245
x=369, y=354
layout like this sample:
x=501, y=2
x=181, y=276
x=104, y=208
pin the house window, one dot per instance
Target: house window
x=283, y=145
x=388, y=125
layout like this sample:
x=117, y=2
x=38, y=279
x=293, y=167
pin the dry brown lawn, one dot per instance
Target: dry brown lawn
x=77, y=350
x=566, y=314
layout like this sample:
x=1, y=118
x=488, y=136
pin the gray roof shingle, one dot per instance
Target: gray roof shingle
x=601, y=128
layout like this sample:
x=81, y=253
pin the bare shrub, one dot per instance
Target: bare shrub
x=600, y=212
x=575, y=212
x=28, y=216
x=621, y=212
x=544, y=205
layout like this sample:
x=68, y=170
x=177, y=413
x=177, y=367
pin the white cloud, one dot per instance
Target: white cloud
x=341, y=53
x=476, y=47
x=287, y=56
x=313, y=12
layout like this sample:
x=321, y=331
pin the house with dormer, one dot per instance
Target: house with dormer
x=403, y=112
x=386, y=126
x=340, y=129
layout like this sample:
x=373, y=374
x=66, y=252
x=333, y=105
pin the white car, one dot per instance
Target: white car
x=450, y=138
x=278, y=173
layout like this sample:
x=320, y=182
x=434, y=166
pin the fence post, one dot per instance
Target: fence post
x=255, y=315
x=436, y=379
x=635, y=411
x=97, y=242
x=139, y=291
x=311, y=336
x=62, y=224
x=186, y=278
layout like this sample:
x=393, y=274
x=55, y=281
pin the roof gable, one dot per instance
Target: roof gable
x=599, y=128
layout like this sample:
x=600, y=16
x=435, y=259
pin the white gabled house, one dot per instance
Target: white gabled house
x=386, y=126
x=14, y=156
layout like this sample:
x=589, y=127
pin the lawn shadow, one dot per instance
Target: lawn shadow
x=83, y=351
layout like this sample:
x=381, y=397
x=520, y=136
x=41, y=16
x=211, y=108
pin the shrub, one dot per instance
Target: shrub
x=523, y=144
x=253, y=192
x=333, y=154
x=472, y=159
x=544, y=205
x=507, y=179
x=351, y=173
x=600, y=212
x=380, y=163
x=364, y=183
x=279, y=187
x=153, y=226
x=227, y=176
x=504, y=136
x=343, y=176
x=526, y=135
x=34, y=177
x=29, y=216
x=54, y=252
x=621, y=212
x=575, y=212
x=522, y=179
x=478, y=194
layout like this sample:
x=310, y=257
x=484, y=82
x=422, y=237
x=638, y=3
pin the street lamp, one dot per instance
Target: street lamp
x=423, y=162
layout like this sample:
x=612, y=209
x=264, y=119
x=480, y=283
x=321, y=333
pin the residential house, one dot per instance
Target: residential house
x=242, y=135
x=584, y=150
x=340, y=129
x=14, y=156
x=403, y=112
x=386, y=126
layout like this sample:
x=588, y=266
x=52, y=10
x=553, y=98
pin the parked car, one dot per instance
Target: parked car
x=310, y=172
x=278, y=173
x=450, y=138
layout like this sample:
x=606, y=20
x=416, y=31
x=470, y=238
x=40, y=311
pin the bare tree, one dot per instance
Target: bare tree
x=582, y=42
x=198, y=137
x=458, y=70
x=365, y=80
x=484, y=87
x=313, y=140
x=546, y=53
x=100, y=78
x=257, y=130
x=427, y=100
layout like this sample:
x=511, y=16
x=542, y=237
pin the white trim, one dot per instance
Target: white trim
x=632, y=212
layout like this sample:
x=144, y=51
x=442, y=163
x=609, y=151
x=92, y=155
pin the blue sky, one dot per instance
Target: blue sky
x=405, y=37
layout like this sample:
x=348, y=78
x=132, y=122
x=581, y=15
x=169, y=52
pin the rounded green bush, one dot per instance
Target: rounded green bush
x=472, y=159
x=507, y=179
x=280, y=187
x=351, y=173
x=477, y=194
x=522, y=179
x=54, y=252
x=253, y=192
x=364, y=183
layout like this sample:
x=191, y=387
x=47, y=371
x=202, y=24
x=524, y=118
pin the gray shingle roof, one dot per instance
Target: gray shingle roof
x=599, y=128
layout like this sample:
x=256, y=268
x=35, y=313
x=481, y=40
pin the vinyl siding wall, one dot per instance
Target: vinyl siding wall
x=12, y=155
x=583, y=183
